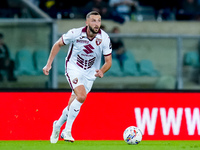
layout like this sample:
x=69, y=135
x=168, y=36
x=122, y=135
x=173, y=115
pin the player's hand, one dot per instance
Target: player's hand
x=46, y=69
x=99, y=74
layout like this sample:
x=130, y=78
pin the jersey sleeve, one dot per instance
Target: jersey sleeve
x=68, y=37
x=107, y=47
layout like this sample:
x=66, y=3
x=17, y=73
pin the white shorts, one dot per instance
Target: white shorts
x=75, y=79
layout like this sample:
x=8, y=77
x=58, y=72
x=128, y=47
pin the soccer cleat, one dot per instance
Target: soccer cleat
x=55, y=134
x=67, y=136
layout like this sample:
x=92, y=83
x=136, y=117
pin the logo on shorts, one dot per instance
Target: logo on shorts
x=75, y=81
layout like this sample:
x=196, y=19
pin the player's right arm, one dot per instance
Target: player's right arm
x=55, y=49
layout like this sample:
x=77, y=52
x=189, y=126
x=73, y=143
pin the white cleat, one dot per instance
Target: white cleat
x=67, y=136
x=55, y=134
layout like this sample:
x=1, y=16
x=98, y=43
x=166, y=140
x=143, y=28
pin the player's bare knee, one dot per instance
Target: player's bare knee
x=81, y=98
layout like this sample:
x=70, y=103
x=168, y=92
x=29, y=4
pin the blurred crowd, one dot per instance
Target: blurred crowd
x=117, y=10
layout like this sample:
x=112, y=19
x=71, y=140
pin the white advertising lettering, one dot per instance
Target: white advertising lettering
x=171, y=119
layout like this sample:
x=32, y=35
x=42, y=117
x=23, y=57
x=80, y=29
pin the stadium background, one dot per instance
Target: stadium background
x=30, y=101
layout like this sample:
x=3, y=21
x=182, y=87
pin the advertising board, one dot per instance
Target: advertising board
x=103, y=116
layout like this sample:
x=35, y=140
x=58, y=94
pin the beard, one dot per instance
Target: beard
x=93, y=31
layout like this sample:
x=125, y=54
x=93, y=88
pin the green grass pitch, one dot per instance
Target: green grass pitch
x=99, y=145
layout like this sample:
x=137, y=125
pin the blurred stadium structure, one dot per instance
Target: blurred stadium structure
x=164, y=54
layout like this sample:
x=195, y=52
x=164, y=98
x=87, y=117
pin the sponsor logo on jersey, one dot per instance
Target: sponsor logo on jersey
x=86, y=55
x=85, y=64
x=88, y=49
x=82, y=41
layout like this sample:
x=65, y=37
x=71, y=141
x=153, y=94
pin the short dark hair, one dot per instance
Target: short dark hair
x=92, y=13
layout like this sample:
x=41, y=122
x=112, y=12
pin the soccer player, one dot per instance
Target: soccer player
x=87, y=44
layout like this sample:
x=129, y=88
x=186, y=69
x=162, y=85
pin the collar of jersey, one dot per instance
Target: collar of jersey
x=83, y=34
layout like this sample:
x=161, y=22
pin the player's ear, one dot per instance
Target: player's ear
x=86, y=23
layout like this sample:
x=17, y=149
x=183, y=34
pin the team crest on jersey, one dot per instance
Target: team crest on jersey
x=98, y=41
x=75, y=81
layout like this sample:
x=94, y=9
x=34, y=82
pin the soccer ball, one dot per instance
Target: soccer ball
x=132, y=135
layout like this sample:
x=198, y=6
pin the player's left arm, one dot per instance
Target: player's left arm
x=105, y=67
